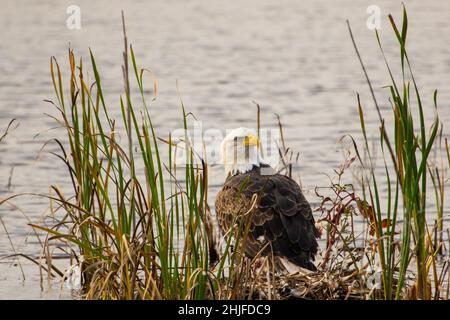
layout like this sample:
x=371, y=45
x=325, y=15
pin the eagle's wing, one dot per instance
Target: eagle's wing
x=282, y=221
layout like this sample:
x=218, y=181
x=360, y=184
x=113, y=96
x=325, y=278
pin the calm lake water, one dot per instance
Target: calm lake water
x=295, y=58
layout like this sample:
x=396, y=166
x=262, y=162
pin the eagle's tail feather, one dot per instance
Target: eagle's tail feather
x=293, y=265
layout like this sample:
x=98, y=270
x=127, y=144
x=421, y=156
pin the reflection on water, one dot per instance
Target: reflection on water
x=295, y=59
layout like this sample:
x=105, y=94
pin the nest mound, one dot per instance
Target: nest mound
x=318, y=285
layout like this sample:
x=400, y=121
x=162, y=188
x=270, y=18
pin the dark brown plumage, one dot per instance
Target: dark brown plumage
x=281, y=220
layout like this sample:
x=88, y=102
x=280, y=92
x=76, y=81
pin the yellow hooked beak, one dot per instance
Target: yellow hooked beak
x=251, y=140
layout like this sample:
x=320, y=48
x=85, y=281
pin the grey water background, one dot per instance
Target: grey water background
x=294, y=58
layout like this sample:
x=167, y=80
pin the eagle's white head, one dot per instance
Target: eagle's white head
x=241, y=151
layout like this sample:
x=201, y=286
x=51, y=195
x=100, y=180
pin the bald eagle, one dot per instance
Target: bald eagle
x=281, y=220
